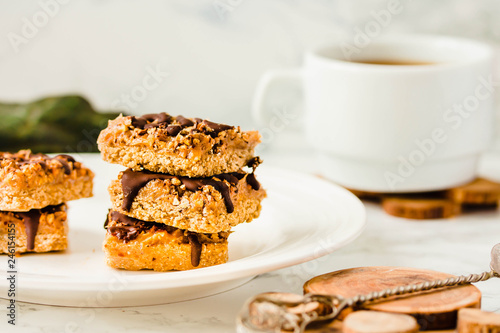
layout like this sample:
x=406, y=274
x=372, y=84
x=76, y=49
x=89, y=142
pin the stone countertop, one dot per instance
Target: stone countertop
x=458, y=246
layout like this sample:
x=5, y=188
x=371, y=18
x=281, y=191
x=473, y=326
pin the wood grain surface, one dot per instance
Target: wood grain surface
x=434, y=310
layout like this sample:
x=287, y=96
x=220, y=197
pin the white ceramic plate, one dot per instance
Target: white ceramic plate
x=303, y=218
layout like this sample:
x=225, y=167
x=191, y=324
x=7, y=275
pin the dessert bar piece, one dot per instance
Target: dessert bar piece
x=180, y=146
x=132, y=244
x=29, y=181
x=208, y=205
x=38, y=230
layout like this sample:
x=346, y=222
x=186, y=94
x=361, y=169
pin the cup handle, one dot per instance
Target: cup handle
x=265, y=85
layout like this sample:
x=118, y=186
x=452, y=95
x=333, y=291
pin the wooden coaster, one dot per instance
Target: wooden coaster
x=475, y=320
x=371, y=196
x=478, y=192
x=336, y=326
x=418, y=208
x=433, y=310
x=379, y=322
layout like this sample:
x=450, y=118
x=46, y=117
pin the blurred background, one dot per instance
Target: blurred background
x=198, y=58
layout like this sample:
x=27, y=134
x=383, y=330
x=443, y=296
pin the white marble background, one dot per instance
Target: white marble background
x=210, y=52
x=208, y=55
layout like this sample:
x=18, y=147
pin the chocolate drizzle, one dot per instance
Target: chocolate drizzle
x=26, y=157
x=31, y=220
x=173, y=130
x=254, y=162
x=65, y=161
x=151, y=120
x=127, y=228
x=174, y=125
x=216, y=127
x=195, y=249
x=133, y=181
x=194, y=184
x=252, y=181
x=184, y=122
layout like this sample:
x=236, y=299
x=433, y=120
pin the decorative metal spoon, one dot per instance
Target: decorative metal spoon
x=277, y=312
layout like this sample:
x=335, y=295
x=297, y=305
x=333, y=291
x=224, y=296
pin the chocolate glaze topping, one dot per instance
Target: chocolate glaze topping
x=31, y=220
x=174, y=125
x=133, y=181
x=128, y=228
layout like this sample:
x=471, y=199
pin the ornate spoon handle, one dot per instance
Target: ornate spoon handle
x=274, y=312
x=414, y=288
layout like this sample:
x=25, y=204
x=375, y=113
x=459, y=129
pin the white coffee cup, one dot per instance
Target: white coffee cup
x=395, y=128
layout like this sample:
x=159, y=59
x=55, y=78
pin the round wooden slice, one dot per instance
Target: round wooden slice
x=420, y=208
x=370, y=196
x=379, y=322
x=475, y=320
x=432, y=309
x=478, y=192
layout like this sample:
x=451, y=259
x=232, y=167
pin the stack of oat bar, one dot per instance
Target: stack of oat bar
x=184, y=189
x=33, y=192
